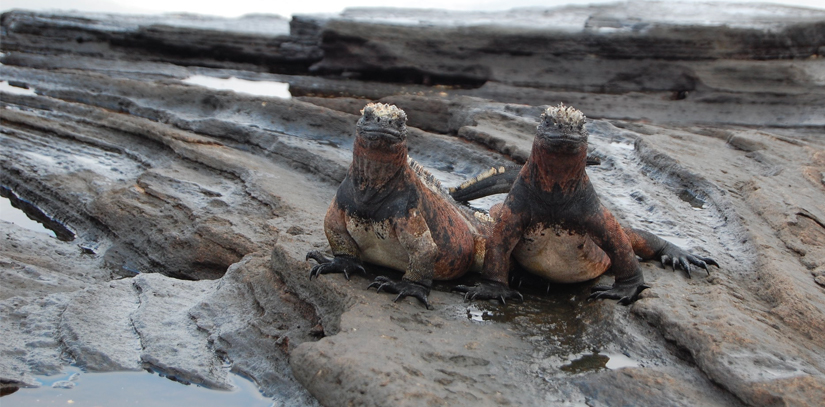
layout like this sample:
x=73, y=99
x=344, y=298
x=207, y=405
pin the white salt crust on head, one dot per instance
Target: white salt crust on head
x=561, y=117
x=384, y=110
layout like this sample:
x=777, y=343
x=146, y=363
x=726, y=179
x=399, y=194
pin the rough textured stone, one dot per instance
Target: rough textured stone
x=647, y=387
x=192, y=209
x=97, y=327
x=400, y=354
x=265, y=323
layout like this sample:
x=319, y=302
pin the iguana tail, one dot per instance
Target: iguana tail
x=493, y=181
x=496, y=180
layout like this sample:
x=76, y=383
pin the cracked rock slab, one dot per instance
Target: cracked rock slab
x=97, y=330
x=170, y=339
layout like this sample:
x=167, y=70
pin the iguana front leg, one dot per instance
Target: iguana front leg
x=606, y=232
x=508, y=230
x=344, y=248
x=415, y=237
x=649, y=246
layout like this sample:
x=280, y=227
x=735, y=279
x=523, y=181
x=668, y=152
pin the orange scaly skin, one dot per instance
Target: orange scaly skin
x=388, y=211
x=553, y=224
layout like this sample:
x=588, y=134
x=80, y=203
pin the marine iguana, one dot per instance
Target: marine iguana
x=391, y=212
x=553, y=224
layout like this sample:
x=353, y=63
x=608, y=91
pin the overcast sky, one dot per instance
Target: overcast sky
x=234, y=8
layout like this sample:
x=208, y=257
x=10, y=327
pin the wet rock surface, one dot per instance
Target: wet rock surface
x=189, y=210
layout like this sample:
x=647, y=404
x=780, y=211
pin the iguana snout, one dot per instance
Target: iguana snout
x=382, y=122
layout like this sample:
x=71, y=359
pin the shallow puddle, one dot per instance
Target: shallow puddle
x=75, y=388
x=695, y=202
x=588, y=362
x=567, y=331
x=14, y=215
x=6, y=87
x=257, y=88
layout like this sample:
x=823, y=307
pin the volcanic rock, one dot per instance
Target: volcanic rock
x=186, y=212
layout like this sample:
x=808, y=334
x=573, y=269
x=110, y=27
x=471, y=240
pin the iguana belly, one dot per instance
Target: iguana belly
x=378, y=243
x=560, y=255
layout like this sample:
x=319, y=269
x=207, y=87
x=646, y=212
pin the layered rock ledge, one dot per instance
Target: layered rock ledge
x=185, y=212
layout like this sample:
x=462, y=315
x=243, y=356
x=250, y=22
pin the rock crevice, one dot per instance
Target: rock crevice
x=194, y=208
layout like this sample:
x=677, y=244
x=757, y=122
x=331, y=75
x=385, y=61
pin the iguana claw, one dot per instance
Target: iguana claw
x=488, y=291
x=673, y=255
x=338, y=264
x=403, y=288
x=625, y=294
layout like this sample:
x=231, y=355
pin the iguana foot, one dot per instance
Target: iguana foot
x=403, y=288
x=488, y=291
x=338, y=264
x=673, y=255
x=625, y=294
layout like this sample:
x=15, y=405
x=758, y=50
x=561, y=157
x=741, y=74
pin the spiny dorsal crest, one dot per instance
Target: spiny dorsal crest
x=483, y=216
x=433, y=184
x=562, y=118
x=382, y=112
x=429, y=180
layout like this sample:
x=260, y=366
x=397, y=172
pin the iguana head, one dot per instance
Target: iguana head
x=383, y=124
x=562, y=124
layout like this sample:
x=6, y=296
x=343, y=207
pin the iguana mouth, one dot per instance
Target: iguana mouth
x=563, y=137
x=377, y=131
